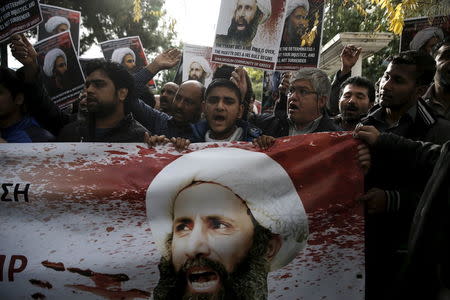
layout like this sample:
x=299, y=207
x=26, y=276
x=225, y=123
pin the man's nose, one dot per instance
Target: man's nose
x=220, y=105
x=198, y=243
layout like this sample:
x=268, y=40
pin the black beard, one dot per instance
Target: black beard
x=247, y=281
x=246, y=35
x=102, y=110
x=200, y=79
x=292, y=36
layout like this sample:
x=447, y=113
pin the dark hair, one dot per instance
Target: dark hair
x=9, y=79
x=444, y=42
x=361, y=82
x=221, y=82
x=424, y=63
x=118, y=74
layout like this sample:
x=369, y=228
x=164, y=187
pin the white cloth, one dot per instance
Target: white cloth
x=265, y=6
x=203, y=62
x=422, y=37
x=120, y=53
x=50, y=58
x=54, y=22
x=256, y=178
x=293, y=4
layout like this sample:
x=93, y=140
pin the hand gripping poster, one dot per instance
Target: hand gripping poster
x=219, y=221
x=197, y=64
x=61, y=70
x=249, y=33
x=58, y=19
x=18, y=16
x=302, y=34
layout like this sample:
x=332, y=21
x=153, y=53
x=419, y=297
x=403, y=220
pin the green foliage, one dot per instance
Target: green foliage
x=256, y=76
x=111, y=19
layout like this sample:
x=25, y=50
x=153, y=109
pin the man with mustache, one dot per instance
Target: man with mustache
x=199, y=69
x=220, y=232
x=168, y=92
x=403, y=112
x=296, y=23
x=357, y=97
x=438, y=95
x=248, y=15
x=108, y=88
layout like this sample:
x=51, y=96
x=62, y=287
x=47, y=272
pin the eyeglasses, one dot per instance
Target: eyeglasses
x=300, y=91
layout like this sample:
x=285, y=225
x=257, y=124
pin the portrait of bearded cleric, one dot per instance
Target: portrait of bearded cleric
x=296, y=23
x=247, y=16
x=220, y=232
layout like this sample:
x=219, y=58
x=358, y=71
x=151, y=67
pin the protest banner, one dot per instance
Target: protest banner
x=18, y=16
x=302, y=35
x=113, y=221
x=197, y=64
x=59, y=19
x=423, y=33
x=62, y=74
x=249, y=36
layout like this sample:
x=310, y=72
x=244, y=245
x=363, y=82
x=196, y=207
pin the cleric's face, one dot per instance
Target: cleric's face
x=212, y=223
x=244, y=13
x=128, y=61
x=196, y=71
x=61, y=28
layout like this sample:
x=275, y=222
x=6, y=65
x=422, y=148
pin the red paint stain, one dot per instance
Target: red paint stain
x=42, y=284
x=59, y=266
x=109, y=229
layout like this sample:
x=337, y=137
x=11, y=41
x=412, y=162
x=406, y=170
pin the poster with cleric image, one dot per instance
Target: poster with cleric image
x=424, y=33
x=249, y=33
x=302, y=35
x=122, y=221
x=58, y=19
x=18, y=16
x=61, y=70
x=126, y=51
x=197, y=64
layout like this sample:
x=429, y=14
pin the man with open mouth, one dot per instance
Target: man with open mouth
x=220, y=233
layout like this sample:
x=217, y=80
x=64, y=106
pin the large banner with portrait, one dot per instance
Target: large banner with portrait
x=302, y=35
x=121, y=221
x=197, y=64
x=61, y=70
x=424, y=33
x=18, y=16
x=57, y=20
x=249, y=33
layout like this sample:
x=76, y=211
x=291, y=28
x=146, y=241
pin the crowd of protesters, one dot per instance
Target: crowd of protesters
x=408, y=230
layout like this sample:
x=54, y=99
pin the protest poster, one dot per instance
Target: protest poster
x=126, y=51
x=423, y=33
x=249, y=33
x=197, y=64
x=58, y=19
x=302, y=35
x=62, y=74
x=18, y=16
x=95, y=221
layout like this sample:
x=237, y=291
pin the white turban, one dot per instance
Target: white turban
x=293, y=4
x=265, y=6
x=422, y=37
x=54, y=22
x=50, y=58
x=256, y=178
x=120, y=53
x=202, y=62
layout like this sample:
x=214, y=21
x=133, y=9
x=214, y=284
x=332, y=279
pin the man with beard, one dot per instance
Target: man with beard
x=168, y=92
x=357, y=97
x=296, y=23
x=220, y=232
x=55, y=68
x=199, y=69
x=401, y=111
x=109, y=86
x=124, y=56
x=438, y=95
x=248, y=15
x=57, y=24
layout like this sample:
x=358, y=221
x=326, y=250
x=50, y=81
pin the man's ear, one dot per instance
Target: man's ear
x=273, y=246
x=241, y=111
x=122, y=93
x=19, y=99
x=322, y=101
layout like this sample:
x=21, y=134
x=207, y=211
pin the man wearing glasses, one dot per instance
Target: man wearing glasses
x=308, y=94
